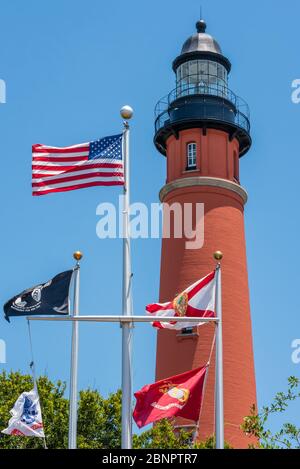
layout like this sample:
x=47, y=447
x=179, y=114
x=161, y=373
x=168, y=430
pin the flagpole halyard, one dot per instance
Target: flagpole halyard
x=126, y=443
x=32, y=369
x=72, y=440
x=32, y=363
x=204, y=384
x=219, y=397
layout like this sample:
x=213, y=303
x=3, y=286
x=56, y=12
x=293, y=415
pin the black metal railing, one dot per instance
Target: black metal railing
x=240, y=115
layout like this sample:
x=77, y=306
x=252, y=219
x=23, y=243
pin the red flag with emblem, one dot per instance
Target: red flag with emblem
x=177, y=396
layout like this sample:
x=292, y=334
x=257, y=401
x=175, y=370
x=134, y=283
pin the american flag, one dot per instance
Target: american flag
x=58, y=169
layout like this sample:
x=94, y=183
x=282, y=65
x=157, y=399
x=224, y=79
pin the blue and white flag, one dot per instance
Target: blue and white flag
x=26, y=417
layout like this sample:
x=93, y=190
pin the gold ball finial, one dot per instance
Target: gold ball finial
x=126, y=112
x=218, y=255
x=78, y=255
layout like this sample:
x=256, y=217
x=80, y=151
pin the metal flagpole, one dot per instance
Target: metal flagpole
x=123, y=319
x=219, y=398
x=126, y=321
x=126, y=113
x=74, y=359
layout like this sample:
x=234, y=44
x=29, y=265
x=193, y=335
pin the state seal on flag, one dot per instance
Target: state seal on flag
x=180, y=304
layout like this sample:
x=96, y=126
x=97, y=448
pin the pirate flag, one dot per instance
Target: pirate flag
x=50, y=298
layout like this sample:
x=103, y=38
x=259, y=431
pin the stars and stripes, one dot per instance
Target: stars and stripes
x=58, y=169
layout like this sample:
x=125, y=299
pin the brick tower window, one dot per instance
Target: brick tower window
x=191, y=155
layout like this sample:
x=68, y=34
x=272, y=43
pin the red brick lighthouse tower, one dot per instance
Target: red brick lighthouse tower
x=203, y=129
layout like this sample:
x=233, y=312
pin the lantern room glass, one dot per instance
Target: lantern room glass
x=201, y=77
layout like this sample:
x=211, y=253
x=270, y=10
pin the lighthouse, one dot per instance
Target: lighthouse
x=203, y=129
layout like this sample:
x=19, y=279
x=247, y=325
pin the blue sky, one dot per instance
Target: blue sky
x=69, y=66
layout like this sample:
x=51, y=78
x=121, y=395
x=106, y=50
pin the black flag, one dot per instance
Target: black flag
x=48, y=298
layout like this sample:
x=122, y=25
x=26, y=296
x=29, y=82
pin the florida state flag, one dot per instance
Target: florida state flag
x=180, y=395
x=197, y=300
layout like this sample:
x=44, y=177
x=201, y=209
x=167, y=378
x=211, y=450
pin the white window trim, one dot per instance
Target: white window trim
x=191, y=156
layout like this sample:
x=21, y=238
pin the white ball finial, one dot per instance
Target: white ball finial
x=126, y=112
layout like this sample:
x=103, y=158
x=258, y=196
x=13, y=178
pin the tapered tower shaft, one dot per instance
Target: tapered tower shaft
x=203, y=129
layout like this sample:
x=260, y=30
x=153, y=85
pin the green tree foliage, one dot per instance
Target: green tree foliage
x=162, y=436
x=54, y=410
x=99, y=419
x=256, y=424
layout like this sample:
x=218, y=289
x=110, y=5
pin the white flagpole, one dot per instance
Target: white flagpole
x=219, y=397
x=74, y=359
x=126, y=113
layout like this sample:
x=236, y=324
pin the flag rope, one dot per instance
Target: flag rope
x=212, y=347
x=31, y=364
x=32, y=369
x=204, y=385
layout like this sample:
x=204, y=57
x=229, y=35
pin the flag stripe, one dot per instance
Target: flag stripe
x=153, y=308
x=42, y=174
x=199, y=285
x=75, y=148
x=40, y=169
x=107, y=163
x=194, y=312
x=62, y=165
x=45, y=181
x=63, y=159
x=59, y=184
x=37, y=155
x=77, y=186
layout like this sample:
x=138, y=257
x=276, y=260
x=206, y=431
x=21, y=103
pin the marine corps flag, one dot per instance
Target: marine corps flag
x=180, y=395
x=50, y=298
